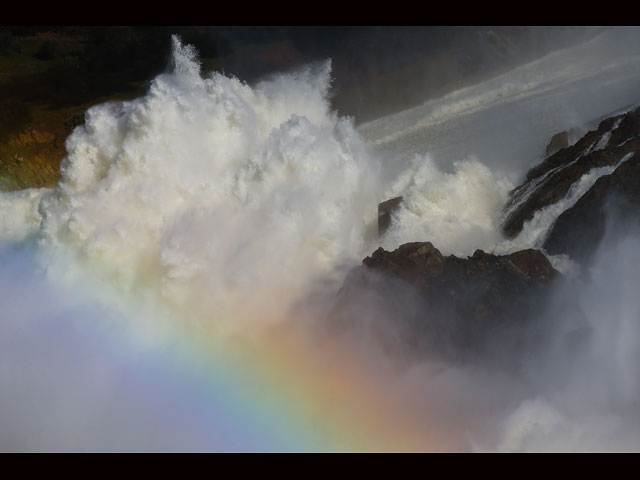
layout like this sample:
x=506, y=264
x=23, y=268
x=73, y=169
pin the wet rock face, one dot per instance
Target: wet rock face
x=550, y=181
x=448, y=305
x=578, y=230
x=385, y=210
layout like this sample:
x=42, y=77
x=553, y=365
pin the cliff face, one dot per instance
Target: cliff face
x=579, y=229
x=550, y=181
x=614, y=148
x=415, y=299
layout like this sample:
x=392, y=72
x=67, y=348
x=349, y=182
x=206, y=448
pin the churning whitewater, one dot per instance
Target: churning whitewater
x=239, y=208
x=210, y=189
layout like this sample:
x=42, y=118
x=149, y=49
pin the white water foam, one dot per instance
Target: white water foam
x=604, y=141
x=456, y=211
x=19, y=215
x=229, y=200
x=535, y=231
x=210, y=188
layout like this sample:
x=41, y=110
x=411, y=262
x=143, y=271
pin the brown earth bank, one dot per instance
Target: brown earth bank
x=613, y=201
x=30, y=158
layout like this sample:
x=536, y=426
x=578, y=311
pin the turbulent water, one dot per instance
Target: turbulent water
x=233, y=207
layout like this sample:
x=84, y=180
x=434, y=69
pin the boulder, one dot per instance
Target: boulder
x=494, y=280
x=446, y=305
x=558, y=142
x=385, y=209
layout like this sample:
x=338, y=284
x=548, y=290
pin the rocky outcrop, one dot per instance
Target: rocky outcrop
x=478, y=286
x=615, y=139
x=385, y=210
x=578, y=230
x=446, y=304
x=558, y=142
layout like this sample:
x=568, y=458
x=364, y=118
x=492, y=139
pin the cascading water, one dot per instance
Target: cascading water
x=211, y=214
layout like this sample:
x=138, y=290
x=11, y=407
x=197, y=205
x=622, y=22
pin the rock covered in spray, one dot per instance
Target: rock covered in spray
x=385, y=210
x=577, y=231
x=451, y=305
x=559, y=141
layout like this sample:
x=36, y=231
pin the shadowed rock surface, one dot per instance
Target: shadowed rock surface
x=578, y=230
x=446, y=305
x=547, y=183
x=385, y=209
x=557, y=142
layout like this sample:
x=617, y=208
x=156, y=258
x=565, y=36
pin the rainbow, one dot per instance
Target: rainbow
x=285, y=394
x=278, y=391
x=121, y=205
x=305, y=400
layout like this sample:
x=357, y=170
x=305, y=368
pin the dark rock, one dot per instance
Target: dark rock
x=74, y=120
x=549, y=182
x=578, y=230
x=422, y=265
x=444, y=304
x=534, y=265
x=385, y=209
x=558, y=142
